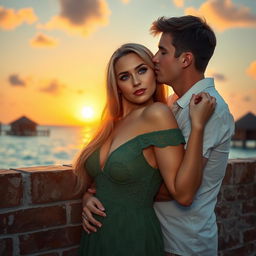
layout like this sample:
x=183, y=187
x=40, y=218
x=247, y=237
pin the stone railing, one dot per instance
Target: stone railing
x=41, y=215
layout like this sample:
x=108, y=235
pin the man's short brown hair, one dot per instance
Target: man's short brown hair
x=189, y=34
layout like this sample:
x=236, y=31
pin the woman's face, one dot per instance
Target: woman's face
x=135, y=79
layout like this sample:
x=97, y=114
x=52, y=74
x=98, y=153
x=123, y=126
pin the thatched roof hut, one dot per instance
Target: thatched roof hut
x=245, y=128
x=23, y=126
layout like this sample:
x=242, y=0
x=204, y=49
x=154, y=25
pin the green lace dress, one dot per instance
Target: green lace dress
x=126, y=187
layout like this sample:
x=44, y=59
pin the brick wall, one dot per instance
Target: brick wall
x=236, y=209
x=41, y=215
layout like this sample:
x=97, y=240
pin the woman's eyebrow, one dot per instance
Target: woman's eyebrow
x=137, y=67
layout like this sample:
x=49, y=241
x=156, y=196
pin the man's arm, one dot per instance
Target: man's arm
x=91, y=205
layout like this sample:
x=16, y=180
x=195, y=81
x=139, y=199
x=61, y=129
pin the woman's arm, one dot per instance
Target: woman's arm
x=182, y=171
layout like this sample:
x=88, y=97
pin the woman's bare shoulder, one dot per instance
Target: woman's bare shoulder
x=159, y=115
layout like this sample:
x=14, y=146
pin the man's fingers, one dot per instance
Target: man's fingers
x=89, y=217
x=97, y=211
x=85, y=228
x=95, y=206
x=99, y=205
x=87, y=224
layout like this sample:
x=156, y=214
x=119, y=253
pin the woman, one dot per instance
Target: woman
x=138, y=146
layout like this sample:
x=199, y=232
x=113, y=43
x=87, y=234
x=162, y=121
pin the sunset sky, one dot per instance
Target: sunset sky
x=53, y=53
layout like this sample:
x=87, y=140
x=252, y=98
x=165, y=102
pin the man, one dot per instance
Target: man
x=186, y=45
x=185, y=48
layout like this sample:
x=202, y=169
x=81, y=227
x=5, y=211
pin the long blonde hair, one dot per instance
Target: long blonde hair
x=113, y=109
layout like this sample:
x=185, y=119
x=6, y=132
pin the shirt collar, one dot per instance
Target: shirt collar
x=195, y=89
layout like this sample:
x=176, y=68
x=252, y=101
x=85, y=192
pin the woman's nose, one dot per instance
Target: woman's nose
x=136, y=80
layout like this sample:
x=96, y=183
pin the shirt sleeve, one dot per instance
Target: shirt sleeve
x=218, y=130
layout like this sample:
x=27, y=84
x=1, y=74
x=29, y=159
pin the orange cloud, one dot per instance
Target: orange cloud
x=80, y=17
x=54, y=87
x=178, y=3
x=42, y=40
x=251, y=70
x=224, y=14
x=16, y=80
x=10, y=19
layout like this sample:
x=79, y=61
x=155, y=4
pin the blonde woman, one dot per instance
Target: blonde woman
x=138, y=146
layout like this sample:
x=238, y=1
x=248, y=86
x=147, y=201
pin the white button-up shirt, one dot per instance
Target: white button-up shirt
x=192, y=230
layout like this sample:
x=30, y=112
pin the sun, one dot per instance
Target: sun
x=87, y=113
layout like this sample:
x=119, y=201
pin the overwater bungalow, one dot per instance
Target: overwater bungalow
x=245, y=131
x=24, y=126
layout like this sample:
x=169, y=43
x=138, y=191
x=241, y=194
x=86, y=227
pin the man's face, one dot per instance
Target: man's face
x=167, y=67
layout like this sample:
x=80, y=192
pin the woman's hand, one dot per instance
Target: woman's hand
x=202, y=106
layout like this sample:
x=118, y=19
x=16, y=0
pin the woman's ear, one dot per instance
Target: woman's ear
x=187, y=59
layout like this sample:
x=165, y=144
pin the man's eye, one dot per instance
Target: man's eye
x=142, y=70
x=123, y=77
x=163, y=53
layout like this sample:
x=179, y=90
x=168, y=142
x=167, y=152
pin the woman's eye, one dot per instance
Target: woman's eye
x=142, y=70
x=163, y=53
x=123, y=77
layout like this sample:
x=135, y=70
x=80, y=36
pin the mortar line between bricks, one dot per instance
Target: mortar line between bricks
x=58, y=251
x=25, y=207
x=16, y=244
x=26, y=198
x=68, y=213
x=69, y=248
x=40, y=230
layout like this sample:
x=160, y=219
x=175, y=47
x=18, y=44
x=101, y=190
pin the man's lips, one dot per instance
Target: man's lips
x=139, y=92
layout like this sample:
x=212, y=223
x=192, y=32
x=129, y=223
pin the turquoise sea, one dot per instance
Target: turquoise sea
x=60, y=147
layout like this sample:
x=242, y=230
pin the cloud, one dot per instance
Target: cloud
x=178, y=3
x=10, y=18
x=219, y=77
x=251, y=70
x=224, y=14
x=15, y=80
x=247, y=98
x=80, y=17
x=42, y=40
x=54, y=88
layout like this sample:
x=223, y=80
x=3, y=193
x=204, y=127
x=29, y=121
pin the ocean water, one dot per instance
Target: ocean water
x=60, y=147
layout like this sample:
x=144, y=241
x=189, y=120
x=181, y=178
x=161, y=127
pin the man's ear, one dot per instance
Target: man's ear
x=187, y=59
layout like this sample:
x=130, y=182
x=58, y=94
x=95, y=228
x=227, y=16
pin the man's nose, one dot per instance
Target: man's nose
x=155, y=58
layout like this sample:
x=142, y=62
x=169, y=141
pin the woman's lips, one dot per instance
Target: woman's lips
x=139, y=92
